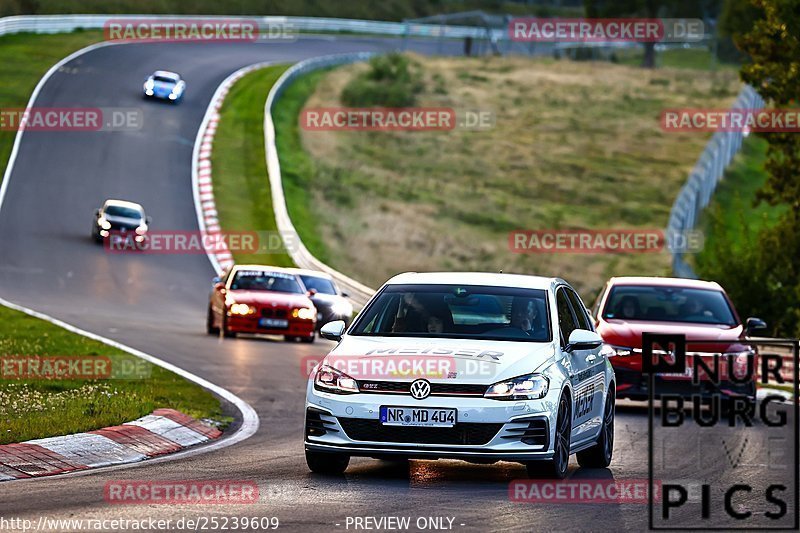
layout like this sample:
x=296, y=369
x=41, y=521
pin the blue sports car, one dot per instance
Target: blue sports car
x=164, y=85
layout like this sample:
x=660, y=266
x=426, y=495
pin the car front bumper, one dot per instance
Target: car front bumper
x=635, y=385
x=249, y=324
x=485, y=430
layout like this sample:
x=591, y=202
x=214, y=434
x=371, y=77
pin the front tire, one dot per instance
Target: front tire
x=599, y=455
x=332, y=464
x=556, y=467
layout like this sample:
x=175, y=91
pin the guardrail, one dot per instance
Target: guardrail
x=709, y=170
x=66, y=23
x=358, y=292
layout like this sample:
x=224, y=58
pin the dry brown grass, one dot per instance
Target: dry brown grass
x=575, y=145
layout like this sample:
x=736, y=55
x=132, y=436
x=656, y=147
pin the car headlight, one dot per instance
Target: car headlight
x=304, y=313
x=342, y=309
x=172, y=96
x=242, y=309
x=329, y=379
x=141, y=230
x=742, y=362
x=103, y=223
x=530, y=387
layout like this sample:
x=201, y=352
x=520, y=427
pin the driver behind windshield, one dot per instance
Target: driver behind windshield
x=524, y=314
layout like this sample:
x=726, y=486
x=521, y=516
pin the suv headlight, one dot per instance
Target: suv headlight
x=242, y=309
x=329, y=379
x=141, y=230
x=103, y=223
x=530, y=387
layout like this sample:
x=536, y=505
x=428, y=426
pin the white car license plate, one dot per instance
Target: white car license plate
x=273, y=323
x=418, y=416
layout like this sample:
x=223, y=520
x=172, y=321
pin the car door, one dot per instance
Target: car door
x=578, y=366
x=594, y=359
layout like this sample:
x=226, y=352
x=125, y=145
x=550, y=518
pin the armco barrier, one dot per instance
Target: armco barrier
x=695, y=195
x=65, y=23
x=358, y=292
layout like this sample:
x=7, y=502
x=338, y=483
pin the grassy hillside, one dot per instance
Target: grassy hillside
x=575, y=145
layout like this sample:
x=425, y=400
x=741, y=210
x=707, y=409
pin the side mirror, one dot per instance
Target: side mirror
x=332, y=330
x=97, y=212
x=583, y=339
x=345, y=295
x=312, y=292
x=754, y=324
x=215, y=280
x=148, y=220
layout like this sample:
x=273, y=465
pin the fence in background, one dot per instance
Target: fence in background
x=695, y=195
x=66, y=23
x=358, y=292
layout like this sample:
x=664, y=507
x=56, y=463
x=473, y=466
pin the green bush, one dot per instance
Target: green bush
x=754, y=270
x=391, y=81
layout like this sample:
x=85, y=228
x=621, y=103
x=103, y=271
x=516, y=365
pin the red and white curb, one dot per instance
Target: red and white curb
x=162, y=432
x=203, y=190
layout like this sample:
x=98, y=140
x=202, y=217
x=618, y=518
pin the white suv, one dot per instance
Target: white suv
x=474, y=366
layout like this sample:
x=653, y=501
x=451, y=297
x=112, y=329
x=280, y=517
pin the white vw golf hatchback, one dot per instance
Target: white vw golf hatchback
x=474, y=366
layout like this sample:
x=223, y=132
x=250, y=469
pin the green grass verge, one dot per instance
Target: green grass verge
x=297, y=168
x=37, y=408
x=24, y=58
x=732, y=216
x=241, y=186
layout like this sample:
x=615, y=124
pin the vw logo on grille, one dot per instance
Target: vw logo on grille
x=420, y=389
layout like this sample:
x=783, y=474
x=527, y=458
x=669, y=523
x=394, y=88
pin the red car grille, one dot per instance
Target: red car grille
x=274, y=312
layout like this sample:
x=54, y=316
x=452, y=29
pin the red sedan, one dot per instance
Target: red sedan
x=700, y=310
x=261, y=299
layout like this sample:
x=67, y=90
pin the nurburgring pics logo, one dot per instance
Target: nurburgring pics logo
x=395, y=119
x=180, y=492
x=731, y=120
x=587, y=30
x=199, y=29
x=611, y=241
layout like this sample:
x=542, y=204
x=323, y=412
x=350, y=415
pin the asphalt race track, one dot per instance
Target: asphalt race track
x=157, y=304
